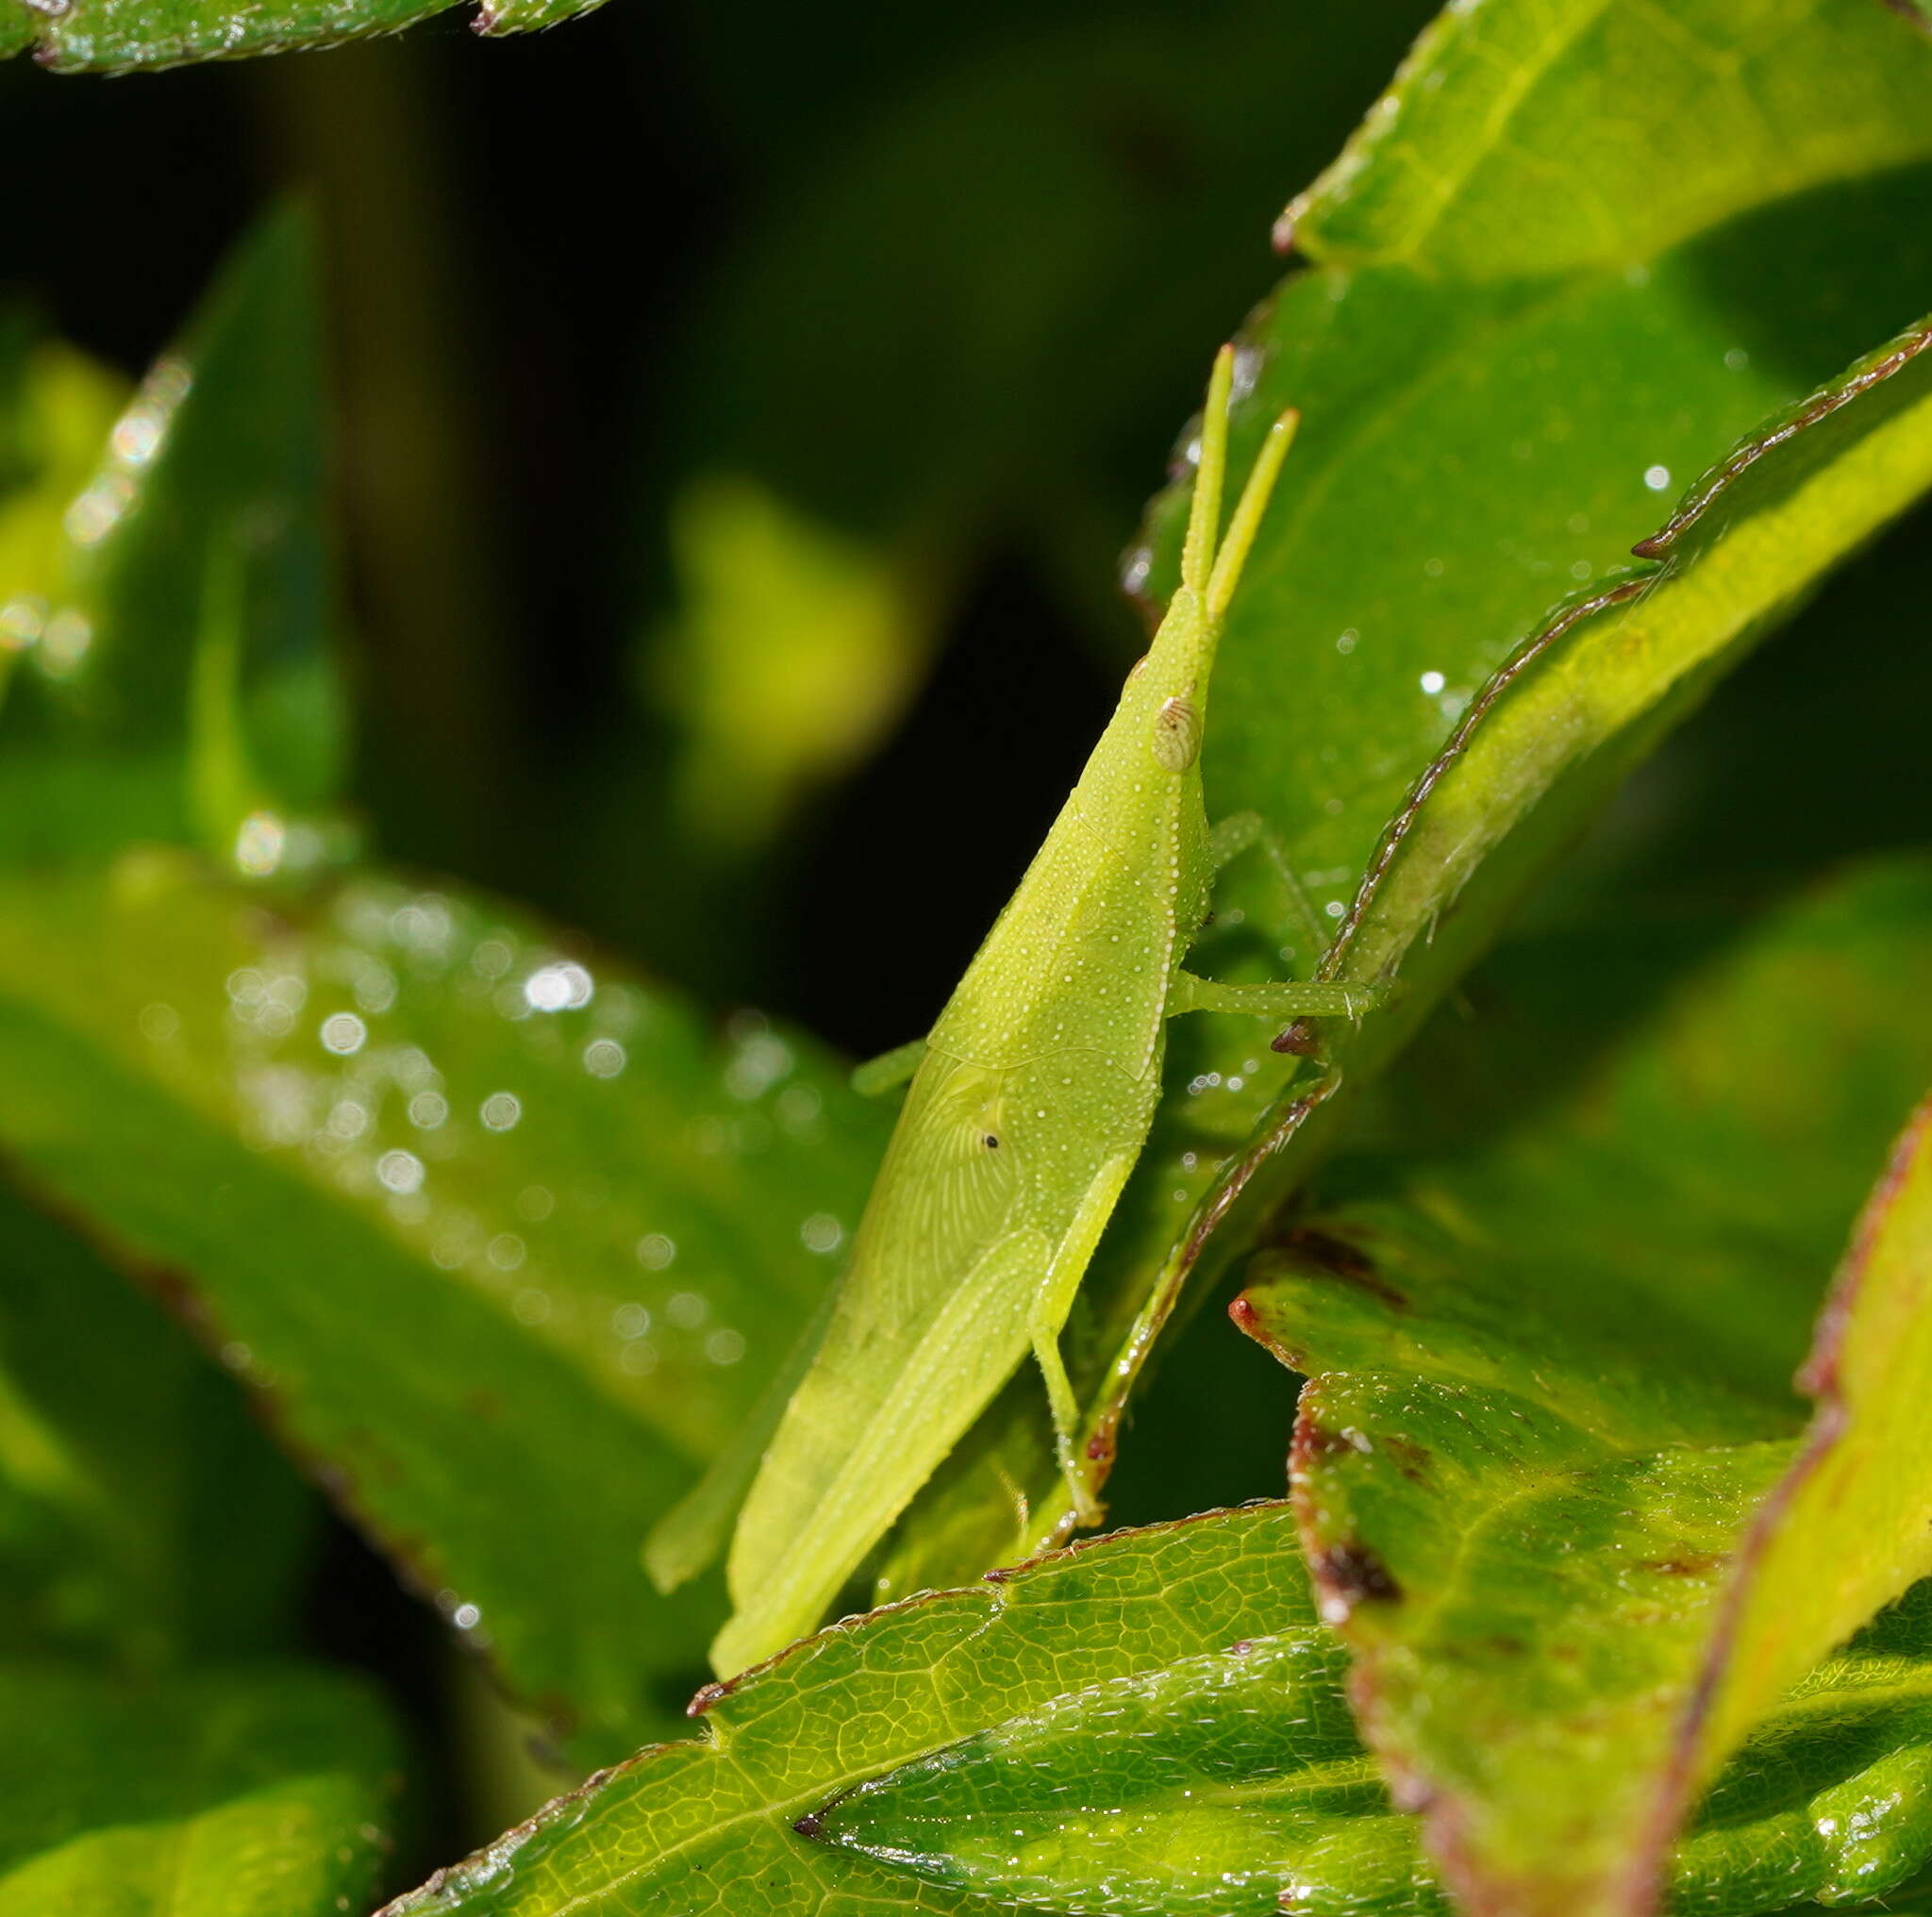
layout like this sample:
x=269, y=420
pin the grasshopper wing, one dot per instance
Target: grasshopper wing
x=930, y=1321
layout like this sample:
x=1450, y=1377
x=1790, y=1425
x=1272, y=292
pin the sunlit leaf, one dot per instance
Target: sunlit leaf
x=1550, y=1359
x=1149, y=1725
x=709, y=1826
x=1230, y=1783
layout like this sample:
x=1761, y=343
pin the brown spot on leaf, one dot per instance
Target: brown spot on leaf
x=1353, y=1573
x=1686, y=1563
x=1321, y=1253
x=1410, y=1459
x=1313, y=1442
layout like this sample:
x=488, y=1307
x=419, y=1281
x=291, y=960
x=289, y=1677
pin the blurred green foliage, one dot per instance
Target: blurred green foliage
x=672, y=473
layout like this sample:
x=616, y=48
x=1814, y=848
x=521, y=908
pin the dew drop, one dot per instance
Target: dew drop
x=400, y=1171
x=501, y=1111
x=343, y=1033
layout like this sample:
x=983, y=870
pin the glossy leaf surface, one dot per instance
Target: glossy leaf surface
x=1549, y=1359
x=709, y=1826
x=508, y=1241
x=1149, y=1725
x=1471, y=450
x=119, y=35
x=1231, y=1783
x=256, y=1791
x=571, y=1234
x=144, y=1519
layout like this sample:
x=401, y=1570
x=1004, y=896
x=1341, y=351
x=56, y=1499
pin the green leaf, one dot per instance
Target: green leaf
x=117, y=36
x=1549, y=1356
x=1846, y=1528
x=507, y=1241
x=708, y=1826
x=175, y=679
x=1152, y=1723
x=1470, y=449
x=57, y=408
x=525, y=16
x=796, y=649
x=1743, y=107
x=1232, y=1782
x=256, y=1791
x=143, y=1517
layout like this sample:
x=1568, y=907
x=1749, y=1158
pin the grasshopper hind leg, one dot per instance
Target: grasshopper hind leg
x=1052, y=1306
x=1066, y=1422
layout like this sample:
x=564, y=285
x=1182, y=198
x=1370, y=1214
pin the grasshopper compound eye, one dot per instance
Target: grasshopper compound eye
x=1176, y=735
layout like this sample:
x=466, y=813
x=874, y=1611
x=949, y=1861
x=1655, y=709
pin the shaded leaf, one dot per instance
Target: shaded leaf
x=143, y=1517
x=175, y=679
x=526, y=1226
x=509, y=1242
x=1846, y=1529
x=256, y=1791
x=1549, y=1358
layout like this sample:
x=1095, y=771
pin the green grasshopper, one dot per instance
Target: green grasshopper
x=1030, y=1100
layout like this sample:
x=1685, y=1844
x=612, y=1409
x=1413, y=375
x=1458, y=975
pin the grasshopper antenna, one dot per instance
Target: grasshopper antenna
x=1204, y=514
x=1247, y=516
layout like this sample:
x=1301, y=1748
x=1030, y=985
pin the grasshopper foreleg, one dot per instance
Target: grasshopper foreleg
x=1289, y=999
